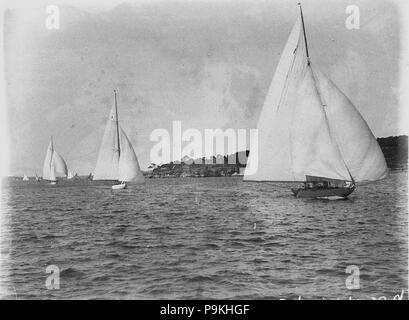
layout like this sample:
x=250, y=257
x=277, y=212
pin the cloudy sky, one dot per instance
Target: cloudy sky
x=205, y=63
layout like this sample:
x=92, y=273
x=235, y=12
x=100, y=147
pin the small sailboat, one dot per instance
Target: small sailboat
x=117, y=160
x=70, y=175
x=37, y=177
x=54, y=164
x=25, y=178
x=310, y=132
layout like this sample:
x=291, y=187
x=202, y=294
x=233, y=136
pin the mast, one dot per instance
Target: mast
x=117, y=125
x=305, y=36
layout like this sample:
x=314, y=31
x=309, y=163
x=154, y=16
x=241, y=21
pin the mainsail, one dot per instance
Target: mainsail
x=308, y=127
x=117, y=159
x=54, y=164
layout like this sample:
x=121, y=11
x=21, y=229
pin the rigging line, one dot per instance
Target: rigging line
x=285, y=87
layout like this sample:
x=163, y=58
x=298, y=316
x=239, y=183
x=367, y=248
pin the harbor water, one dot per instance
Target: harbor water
x=201, y=238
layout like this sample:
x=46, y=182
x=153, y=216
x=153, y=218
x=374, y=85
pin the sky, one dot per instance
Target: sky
x=205, y=63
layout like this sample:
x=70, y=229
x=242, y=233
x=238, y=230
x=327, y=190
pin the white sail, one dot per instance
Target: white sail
x=358, y=146
x=59, y=165
x=313, y=150
x=70, y=175
x=25, y=178
x=52, y=174
x=108, y=156
x=53, y=159
x=47, y=162
x=274, y=120
x=297, y=137
x=117, y=163
x=294, y=139
x=128, y=168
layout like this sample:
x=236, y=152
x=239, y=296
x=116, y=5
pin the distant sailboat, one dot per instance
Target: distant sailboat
x=54, y=164
x=70, y=175
x=310, y=132
x=25, y=178
x=117, y=159
x=37, y=177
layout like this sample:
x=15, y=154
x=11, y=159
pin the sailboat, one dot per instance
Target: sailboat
x=310, y=132
x=25, y=178
x=37, y=177
x=54, y=164
x=70, y=175
x=117, y=160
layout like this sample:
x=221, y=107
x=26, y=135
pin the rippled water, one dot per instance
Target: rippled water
x=202, y=238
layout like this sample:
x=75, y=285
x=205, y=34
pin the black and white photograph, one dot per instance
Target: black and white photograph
x=188, y=150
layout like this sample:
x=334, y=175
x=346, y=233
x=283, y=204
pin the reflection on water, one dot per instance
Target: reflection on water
x=201, y=238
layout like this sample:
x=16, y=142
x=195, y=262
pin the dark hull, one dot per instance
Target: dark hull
x=323, y=193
